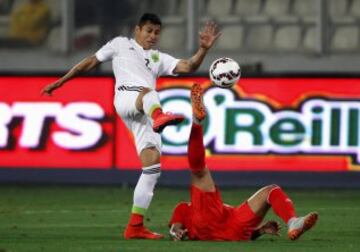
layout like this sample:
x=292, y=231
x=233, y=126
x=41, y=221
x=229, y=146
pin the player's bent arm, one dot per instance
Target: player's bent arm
x=83, y=66
x=177, y=232
x=185, y=66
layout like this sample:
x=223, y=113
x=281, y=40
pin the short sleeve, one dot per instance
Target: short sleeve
x=167, y=64
x=108, y=51
x=179, y=213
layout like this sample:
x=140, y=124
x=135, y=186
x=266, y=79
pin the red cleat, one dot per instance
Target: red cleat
x=166, y=119
x=198, y=108
x=140, y=232
x=302, y=224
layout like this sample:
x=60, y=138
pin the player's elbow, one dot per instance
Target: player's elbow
x=185, y=67
x=192, y=67
x=184, y=70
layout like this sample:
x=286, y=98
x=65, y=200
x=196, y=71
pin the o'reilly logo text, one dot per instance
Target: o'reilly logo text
x=237, y=126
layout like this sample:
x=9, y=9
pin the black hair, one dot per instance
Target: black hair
x=151, y=18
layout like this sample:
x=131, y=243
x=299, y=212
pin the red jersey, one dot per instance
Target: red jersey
x=206, y=217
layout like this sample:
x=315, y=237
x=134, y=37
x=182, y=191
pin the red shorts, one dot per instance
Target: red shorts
x=214, y=220
x=245, y=220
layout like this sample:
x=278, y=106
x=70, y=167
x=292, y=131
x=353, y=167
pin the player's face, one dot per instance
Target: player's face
x=147, y=35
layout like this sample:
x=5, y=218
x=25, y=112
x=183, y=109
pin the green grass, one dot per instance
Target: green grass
x=80, y=219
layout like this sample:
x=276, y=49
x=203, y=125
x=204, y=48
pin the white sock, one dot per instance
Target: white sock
x=144, y=189
x=151, y=101
x=291, y=221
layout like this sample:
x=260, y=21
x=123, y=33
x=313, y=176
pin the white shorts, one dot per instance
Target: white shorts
x=138, y=123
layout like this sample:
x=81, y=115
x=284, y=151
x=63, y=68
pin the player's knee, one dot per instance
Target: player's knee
x=150, y=156
x=139, y=100
x=267, y=189
x=272, y=186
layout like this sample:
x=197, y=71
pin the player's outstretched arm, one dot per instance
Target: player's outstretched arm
x=207, y=38
x=270, y=227
x=85, y=65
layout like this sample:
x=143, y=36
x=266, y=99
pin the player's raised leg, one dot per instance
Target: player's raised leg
x=273, y=196
x=143, y=194
x=200, y=174
x=149, y=102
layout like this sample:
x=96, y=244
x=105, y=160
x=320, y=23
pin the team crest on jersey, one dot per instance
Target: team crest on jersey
x=155, y=57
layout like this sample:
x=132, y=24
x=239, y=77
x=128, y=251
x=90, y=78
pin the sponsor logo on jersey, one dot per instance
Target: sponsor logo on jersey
x=155, y=57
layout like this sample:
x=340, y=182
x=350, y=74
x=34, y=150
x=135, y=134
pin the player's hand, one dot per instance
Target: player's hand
x=271, y=228
x=209, y=35
x=50, y=88
x=177, y=234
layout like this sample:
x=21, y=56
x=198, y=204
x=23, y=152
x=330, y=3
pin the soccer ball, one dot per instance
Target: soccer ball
x=224, y=72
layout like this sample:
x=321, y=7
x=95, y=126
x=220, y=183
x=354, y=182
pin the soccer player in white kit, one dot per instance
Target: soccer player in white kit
x=136, y=67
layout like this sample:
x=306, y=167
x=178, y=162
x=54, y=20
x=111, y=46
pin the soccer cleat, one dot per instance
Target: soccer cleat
x=166, y=119
x=298, y=226
x=140, y=232
x=197, y=104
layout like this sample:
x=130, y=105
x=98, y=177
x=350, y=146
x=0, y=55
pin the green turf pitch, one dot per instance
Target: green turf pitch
x=92, y=219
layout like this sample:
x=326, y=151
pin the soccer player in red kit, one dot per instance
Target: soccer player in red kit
x=206, y=217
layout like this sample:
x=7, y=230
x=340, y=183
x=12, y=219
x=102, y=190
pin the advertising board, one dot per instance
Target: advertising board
x=263, y=124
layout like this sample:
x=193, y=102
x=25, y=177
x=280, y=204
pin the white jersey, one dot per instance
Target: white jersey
x=134, y=66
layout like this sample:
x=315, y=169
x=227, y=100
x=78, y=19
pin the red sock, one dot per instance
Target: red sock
x=196, y=149
x=136, y=219
x=281, y=204
x=156, y=113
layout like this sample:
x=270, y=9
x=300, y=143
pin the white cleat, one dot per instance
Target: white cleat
x=301, y=224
